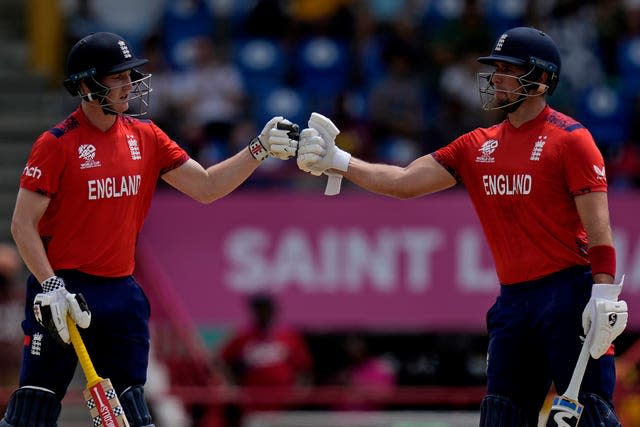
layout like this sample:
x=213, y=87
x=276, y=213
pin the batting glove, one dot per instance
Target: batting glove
x=318, y=152
x=279, y=138
x=606, y=315
x=52, y=306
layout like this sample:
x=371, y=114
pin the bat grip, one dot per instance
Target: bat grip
x=578, y=372
x=83, y=356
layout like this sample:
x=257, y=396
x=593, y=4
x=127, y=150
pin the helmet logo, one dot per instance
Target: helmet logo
x=500, y=42
x=125, y=49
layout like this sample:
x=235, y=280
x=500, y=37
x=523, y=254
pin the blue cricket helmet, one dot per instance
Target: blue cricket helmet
x=527, y=45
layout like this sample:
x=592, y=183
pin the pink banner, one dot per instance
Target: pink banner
x=355, y=260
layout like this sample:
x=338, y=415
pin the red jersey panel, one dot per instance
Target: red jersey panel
x=272, y=358
x=101, y=185
x=522, y=182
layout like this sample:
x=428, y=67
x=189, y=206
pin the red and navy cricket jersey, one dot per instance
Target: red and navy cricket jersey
x=269, y=358
x=522, y=182
x=101, y=185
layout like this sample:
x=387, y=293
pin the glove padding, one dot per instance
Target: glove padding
x=317, y=151
x=279, y=138
x=606, y=315
x=52, y=307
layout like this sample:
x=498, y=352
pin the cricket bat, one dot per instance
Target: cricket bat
x=100, y=397
x=566, y=409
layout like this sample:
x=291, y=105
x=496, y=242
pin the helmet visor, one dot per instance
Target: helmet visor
x=489, y=93
x=137, y=98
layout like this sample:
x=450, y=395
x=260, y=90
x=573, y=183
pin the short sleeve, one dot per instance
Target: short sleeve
x=450, y=155
x=44, y=166
x=170, y=154
x=583, y=163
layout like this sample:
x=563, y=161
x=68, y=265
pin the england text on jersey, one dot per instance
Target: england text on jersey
x=112, y=187
x=507, y=185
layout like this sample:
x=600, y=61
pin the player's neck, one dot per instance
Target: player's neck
x=97, y=117
x=529, y=110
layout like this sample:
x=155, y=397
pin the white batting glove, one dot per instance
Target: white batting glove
x=317, y=151
x=606, y=315
x=52, y=306
x=279, y=138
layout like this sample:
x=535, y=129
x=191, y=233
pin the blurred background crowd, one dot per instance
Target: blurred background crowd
x=398, y=77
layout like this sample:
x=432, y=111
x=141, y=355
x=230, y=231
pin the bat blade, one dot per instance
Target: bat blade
x=100, y=396
x=103, y=404
x=564, y=412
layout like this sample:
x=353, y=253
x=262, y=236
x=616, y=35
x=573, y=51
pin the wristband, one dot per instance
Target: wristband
x=603, y=260
x=257, y=150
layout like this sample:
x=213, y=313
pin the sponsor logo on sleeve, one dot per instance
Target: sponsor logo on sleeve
x=601, y=174
x=32, y=171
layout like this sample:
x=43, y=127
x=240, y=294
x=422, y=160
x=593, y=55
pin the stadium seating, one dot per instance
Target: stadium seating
x=504, y=14
x=262, y=63
x=439, y=12
x=322, y=69
x=605, y=112
x=281, y=101
x=181, y=25
x=629, y=64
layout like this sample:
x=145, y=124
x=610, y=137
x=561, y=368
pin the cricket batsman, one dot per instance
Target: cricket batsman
x=539, y=187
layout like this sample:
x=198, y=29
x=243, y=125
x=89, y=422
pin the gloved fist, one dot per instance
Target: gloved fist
x=606, y=315
x=317, y=151
x=279, y=138
x=52, y=306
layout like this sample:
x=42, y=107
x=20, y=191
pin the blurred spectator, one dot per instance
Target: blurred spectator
x=211, y=98
x=327, y=17
x=11, y=314
x=364, y=371
x=467, y=32
x=610, y=25
x=135, y=21
x=268, y=18
x=354, y=135
x=264, y=354
x=460, y=97
x=581, y=66
x=184, y=23
x=163, y=108
x=397, y=106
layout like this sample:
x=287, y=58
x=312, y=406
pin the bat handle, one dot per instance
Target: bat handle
x=83, y=356
x=578, y=372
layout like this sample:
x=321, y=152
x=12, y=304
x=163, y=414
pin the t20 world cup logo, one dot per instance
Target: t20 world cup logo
x=87, y=152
